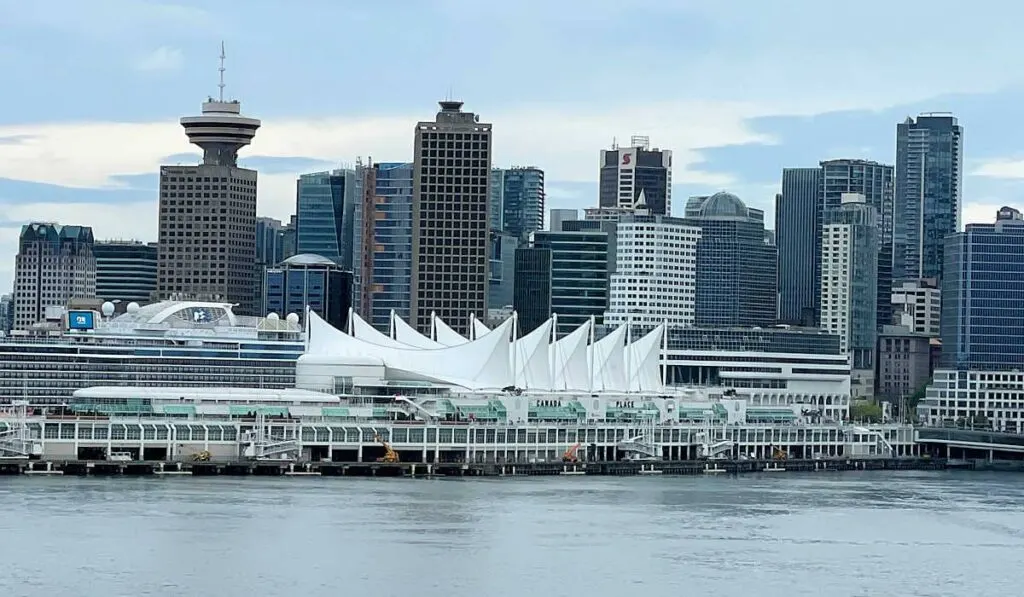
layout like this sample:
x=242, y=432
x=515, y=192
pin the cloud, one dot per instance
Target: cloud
x=163, y=58
x=1000, y=168
x=101, y=19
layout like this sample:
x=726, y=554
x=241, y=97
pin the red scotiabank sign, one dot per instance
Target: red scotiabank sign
x=625, y=159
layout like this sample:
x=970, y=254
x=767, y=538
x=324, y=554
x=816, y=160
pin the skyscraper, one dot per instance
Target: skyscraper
x=125, y=271
x=796, y=231
x=450, y=236
x=207, y=229
x=875, y=182
x=310, y=281
x=849, y=285
x=637, y=176
x=54, y=265
x=517, y=200
x=929, y=173
x=392, y=258
x=269, y=241
x=325, y=206
x=735, y=264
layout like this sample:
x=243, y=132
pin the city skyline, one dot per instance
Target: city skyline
x=734, y=116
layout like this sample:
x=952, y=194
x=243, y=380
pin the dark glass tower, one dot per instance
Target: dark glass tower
x=637, y=176
x=796, y=226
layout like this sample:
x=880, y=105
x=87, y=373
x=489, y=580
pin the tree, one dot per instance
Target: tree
x=870, y=412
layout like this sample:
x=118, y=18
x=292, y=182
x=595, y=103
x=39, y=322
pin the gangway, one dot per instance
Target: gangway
x=16, y=441
x=713, y=444
x=641, y=446
x=412, y=408
x=259, y=444
x=887, y=449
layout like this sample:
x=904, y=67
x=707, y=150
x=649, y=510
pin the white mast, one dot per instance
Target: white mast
x=472, y=327
x=433, y=326
x=553, y=351
x=629, y=349
x=351, y=317
x=515, y=336
x=590, y=367
x=663, y=357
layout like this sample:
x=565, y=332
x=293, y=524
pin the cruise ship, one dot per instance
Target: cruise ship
x=168, y=343
x=494, y=397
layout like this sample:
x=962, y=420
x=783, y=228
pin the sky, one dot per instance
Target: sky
x=91, y=92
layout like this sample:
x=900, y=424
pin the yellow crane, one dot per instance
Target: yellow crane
x=389, y=454
x=570, y=454
x=203, y=456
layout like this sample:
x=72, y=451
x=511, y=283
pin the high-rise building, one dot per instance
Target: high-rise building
x=796, y=230
x=928, y=202
x=637, y=177
x=325, y=209
x=363, y=243
x=655, y=277
x=450, y=234
x=500, y=291
x=875, y=182
x=207, y=232
x=982, y=323
x=849, y=285
x=557, y=216
x=269, y=241
x=55, y=264
x=288, y=238
x=392, y=257
x=735, y=265
x=563, y=273
x=917, y=306
x=310, y=281
x=125, y=271
x=517, y=200
x=6, y=313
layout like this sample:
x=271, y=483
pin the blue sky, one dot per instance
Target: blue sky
x=738, y=89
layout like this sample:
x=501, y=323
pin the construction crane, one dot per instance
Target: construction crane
x=389, y=454
x=570, y=454
x=203, y=456
x=778, y=453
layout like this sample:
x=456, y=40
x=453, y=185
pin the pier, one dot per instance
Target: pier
x=463, y=469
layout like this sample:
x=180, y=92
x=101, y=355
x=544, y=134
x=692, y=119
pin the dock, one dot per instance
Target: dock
x=459, y=469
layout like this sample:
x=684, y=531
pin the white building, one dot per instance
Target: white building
x=655, y=277
x=55, y=264
x=916, y=305
x=979, y=399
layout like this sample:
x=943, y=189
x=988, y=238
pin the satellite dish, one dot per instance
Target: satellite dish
x=107, y=309
x=292, y=318
x=132, y=307
x=273, y=316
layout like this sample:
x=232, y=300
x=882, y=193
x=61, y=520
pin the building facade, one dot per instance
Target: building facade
x=904, y=362
x=655, y=275
x=916, y=305
x=564, y=274
x=796, y=224
x=557, y=216
x=126, y=271
x=312, y=281
x=450, y=234
x=517, y=200
x=735, y=265
x=325, y=209
x=928, y=203
x=849, y=271
x=501, y=289
x=6, y=313
x=392, y=250
x=55, y=264
x=636, y=177
x=269, y=241
x=207, y=226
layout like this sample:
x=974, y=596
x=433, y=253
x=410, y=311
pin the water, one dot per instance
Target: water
x=856, y=534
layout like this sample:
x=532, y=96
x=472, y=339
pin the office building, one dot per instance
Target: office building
x=288, y=238
x=6, y=313
x=916, y=305
x=325, y=210
x=207, y=228
x=450, y=234
x=312, y=281
x=269, y=241
x=904, y=363
x=735, y=266
x=796, y=230
x=636, y=177
x=126, y=272
x=875, y=182
x=562, y=273
x=849, y=285
x=557, y=216
x=502, y=270
x=392, y=256
x=517, y=200
x=655, y=277
x=928, y=202
x=363, y=239
x=55, y=264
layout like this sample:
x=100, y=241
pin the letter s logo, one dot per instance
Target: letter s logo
x=625, y=159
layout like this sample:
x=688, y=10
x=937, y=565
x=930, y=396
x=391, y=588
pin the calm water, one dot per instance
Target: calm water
x=831, y=534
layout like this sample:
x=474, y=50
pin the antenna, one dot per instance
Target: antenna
x=221, y=69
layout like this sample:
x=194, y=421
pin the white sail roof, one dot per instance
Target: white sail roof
x=482, y=364
x=406, y=334
x=445, y=335
x=532, y=359
x=364, y=331
x=569, y=367
x=643, y=364
x=479, y=329
x=608, y=365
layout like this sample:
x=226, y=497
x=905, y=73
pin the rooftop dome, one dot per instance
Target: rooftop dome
x=308, y=259
x=723, y=204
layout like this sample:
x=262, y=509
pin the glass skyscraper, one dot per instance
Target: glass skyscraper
x=325, y=215
x=309, y=280
x=982, y=323
x=929, y=172
x=517, y=200
x=796, y=225
x=392, y=258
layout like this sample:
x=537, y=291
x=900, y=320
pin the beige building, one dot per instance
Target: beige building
x=55, y=265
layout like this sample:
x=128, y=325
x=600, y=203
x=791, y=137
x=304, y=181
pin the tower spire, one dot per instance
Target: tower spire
x=221, y=69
